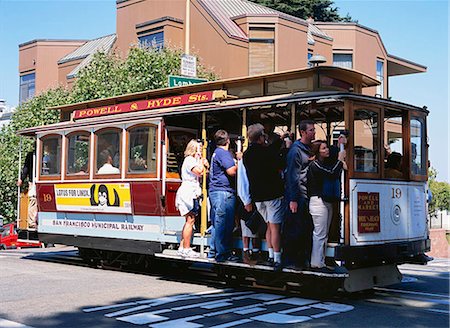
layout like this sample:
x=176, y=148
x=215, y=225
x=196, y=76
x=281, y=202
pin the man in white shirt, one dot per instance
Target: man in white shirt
x=107, y=168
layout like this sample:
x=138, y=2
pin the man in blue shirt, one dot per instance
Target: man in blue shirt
x=222, y=196
x=297, y=230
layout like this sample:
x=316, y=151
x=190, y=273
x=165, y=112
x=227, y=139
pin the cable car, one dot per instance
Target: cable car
x=126, y=211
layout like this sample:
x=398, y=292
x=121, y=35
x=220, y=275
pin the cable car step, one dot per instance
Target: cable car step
x=171, y=254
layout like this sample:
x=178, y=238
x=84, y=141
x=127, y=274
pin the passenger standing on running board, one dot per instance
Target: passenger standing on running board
x=263, y=164
x=222, y=196
x=297, y=229
x=188, y=195
x=27, y=172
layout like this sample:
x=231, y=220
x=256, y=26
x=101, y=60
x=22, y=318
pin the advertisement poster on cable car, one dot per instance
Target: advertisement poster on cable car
x=96, y=197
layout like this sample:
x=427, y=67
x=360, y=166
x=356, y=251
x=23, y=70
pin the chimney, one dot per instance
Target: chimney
x=310, y=19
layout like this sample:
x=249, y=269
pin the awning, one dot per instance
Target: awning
x=400, y=66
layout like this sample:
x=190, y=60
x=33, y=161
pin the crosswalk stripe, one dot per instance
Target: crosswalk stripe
x=11, y=324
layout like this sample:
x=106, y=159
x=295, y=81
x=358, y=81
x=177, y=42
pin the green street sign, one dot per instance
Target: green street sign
x=179, y=81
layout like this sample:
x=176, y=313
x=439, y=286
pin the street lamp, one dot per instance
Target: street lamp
x=317, y=59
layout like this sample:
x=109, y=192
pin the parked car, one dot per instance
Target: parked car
x=9, y=238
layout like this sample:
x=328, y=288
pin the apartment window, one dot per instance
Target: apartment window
x=310, y=54
x=343, y=60
x=262, y=50
x=152, y=40
x=27, y=87
x=380, y=77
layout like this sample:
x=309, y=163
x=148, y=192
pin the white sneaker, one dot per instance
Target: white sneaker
x=189, y=252
x=180, y=251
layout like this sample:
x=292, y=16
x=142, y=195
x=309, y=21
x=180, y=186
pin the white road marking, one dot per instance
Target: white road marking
x=216, y=305
x=439, y=311
x=330, y=306
x=11, y=324
x=406, y=279
x=191, y=306
x=263, y=308
x=324, y=314
x=409, y=292
x=261, y=297
x=233, y=323
x=293, y=301
x=122, y=312
x=297, y=309
x=279, y=318
x=213, y=314
x=144, y=318
x=251, y=310
x=107, y=307
x=183, y=322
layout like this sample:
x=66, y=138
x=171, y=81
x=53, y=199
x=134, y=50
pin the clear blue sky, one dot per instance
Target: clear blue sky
x=414, y=30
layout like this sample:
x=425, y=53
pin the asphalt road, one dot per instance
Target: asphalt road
x=52, y=288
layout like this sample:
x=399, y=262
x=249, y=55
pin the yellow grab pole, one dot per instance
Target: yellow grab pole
x=203, y=217
x=244, y=129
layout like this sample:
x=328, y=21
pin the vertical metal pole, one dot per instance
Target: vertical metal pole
x=18, y=188
x=293, y=128
x=204, y=214
x=187, y=27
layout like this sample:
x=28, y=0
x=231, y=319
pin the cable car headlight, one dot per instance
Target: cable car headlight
x=396, y=214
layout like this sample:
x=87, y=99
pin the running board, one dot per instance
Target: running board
x=171, y=256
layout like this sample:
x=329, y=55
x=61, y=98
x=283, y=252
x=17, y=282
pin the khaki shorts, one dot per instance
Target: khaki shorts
x=272, y=210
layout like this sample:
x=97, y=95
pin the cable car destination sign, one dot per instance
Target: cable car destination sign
x=149, y=104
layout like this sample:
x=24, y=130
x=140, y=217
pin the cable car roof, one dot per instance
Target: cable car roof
x=322, y=97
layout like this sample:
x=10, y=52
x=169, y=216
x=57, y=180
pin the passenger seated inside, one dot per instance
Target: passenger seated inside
x=393, y=168
x=137, y=159
x=48, y=161
x=107, y=160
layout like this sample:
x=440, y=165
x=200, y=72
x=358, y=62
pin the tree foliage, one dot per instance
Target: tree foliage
x=107, y=75
x=29, y=114
x=145, y=68
x=320, y=10
x=441, y=193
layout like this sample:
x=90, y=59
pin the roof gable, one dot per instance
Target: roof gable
x=225, y=12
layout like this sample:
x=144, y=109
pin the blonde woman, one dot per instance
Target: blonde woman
x=187, y=198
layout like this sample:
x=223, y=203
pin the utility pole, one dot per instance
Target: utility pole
x=187, y=29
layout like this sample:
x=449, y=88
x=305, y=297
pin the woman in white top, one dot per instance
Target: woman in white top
x=187, y=198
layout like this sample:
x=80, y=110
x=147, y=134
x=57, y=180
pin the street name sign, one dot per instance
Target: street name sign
x=179, y=81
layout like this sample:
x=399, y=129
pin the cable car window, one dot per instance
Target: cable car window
x=142, y=150
x=108, y=151
x=393, y=144
x=78, y=153
x=366, y=151
x=418, y=165
x=178, y=139
x=51, y=156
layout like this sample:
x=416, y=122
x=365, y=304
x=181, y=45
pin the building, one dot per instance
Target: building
x=233, y=37
x=38, y=66
x=5, y=113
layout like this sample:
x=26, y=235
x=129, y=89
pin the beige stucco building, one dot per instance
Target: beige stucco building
x=233, y=37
